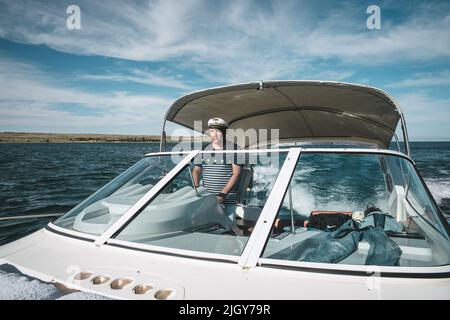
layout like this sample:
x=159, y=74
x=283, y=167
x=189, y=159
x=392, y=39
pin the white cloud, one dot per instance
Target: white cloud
x=332, y=74
x=43, y=117
x=141, y=76
x=21, y=81
x=426, y=116
x=423, y=80
x=234, y=40
x=30, y=97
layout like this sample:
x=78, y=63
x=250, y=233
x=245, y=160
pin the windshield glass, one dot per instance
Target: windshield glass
x=211, y=205
x=103, y=208
x=420, y=201
x=360, y=209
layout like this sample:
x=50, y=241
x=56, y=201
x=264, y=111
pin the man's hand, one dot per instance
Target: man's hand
x=220, y=199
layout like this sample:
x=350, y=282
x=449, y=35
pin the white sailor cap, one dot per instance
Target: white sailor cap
x=217, y=123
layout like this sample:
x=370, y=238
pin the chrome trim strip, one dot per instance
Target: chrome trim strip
x=71, y=233
x=286, y=150
x=173, y=251
x=356, y=150
x=153, y=154
x=442, y=275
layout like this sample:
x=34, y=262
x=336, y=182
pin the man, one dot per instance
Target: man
x=220, y=176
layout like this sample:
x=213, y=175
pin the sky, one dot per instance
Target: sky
x=129, y=60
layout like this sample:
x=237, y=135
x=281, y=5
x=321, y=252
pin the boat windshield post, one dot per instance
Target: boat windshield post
x=268, y=214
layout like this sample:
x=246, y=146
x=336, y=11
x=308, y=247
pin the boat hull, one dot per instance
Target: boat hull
x=59, y=259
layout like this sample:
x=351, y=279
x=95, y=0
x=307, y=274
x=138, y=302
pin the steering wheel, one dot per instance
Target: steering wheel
x=173, y=185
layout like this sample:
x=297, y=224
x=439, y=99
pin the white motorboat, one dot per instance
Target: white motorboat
x=330, y=212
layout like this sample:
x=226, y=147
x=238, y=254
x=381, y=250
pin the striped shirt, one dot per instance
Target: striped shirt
x=217, y=171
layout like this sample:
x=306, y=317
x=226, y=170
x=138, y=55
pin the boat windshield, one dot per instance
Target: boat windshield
x=348, y=207
x=358, y=209
x=187, y=217
x=103, y=208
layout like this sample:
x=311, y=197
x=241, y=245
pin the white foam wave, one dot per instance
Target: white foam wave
x=306, y=170
x=83, y=296
x=304, y=200
x=14, y=286
x=264, y=177
x=439, y=188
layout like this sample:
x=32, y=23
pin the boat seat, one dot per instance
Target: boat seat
x=245, y=182
x=185, y=193
x=142, y=189
x=248, y=213
x=127, y=189
x=177, y=194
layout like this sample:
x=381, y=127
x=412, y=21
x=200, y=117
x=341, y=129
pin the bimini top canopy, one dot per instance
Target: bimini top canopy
x=301, y=110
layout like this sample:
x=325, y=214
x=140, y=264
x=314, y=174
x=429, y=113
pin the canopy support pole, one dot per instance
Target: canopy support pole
x=405, y=134
x=162, y=143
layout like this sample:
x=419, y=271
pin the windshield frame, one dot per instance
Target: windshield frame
x=191, y=253
x=250, y=257
x=52, y=226
x=258, y=260
x=440, y=214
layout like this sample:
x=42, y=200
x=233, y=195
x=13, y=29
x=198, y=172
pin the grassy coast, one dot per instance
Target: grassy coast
x=32, y=137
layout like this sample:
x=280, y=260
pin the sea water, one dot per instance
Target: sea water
x=52, y=178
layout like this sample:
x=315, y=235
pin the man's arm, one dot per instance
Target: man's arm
x=233, y=179
x=196, y=172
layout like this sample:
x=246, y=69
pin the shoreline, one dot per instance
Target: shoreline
x=30, y=137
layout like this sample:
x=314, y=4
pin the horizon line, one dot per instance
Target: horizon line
x=418, y=139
